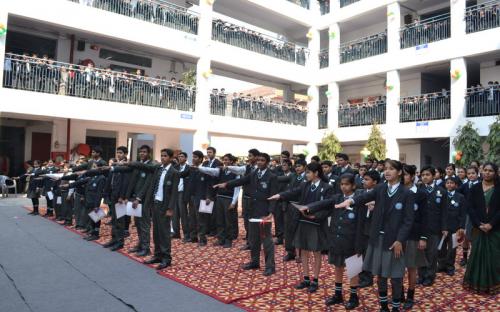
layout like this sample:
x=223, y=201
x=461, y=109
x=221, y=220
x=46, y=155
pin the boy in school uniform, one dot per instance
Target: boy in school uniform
x=456, y=213
x=472, y=179
x=330, y=177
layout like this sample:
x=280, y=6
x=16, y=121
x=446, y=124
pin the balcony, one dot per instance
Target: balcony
x=254, y=41
x=323, y=117
x=323, y=58
x=364, y=47
x=257, y=109
x=363, y=114
x=482, y=16
x=430, y=106
x=344, y=3
x=483, y=101
x=426, y=31
x=302, y=3
x=47, y=76
x=152, y=11
x=324, y=6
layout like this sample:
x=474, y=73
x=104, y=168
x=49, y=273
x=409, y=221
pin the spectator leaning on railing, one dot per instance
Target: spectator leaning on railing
x=483, y=101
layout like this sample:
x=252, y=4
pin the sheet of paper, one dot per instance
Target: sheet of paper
x=299, y=206
x=70, y=192
x=96, y=216
x=59, y=200
x=329, y=220
x=354, y=266
x=50, y=195
x=121, y=210
x=137, y=212
x=257, y=220
x=454, y=240
x=171, y=227
x=441, y=242
x=55, y=176
x=204, y=208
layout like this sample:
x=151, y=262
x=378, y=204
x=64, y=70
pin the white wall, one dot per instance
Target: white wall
x=410, y=154
x=489, y=72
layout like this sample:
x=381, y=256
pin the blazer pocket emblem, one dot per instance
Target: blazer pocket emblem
x=143, y=174
x=415, y=207
x=264, y=185
x=438, y=200
x=169, y=183
x=351, y=215
x=398, y=206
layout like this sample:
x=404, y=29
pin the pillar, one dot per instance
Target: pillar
x=312, y=108
x=333, y=106
x=3, y=39
x=334, y=46
x=314, y=46
x=457, y=16
x=312, y=150
x=393, y=26
x=392, y=114
x=458, y=87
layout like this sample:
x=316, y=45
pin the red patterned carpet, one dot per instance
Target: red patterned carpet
x=217, y=272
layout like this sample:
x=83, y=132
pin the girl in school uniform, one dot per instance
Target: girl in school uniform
x=414, y=255
x=345, y=237
x=311, y=230
x=392, y=221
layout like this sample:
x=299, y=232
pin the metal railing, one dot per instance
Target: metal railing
x=430, y=106
x=362, y=114
x=302, y=3
x=344, y=3
x=425, y=31
x=47, y=76
x=257, y=42
x=482, y=16
x=364, y=47
x=323, y=58
x=323, y=117
x=258, y=109
x=483, y=101
x=154, y=11
x=324, y=6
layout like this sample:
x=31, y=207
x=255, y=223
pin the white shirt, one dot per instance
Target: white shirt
x=159, y=192
x=392, y=188
x=181, y=180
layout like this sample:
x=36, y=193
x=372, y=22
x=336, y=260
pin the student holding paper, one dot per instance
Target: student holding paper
x=344, y=237
x=263, y=184
x=48, y=184
x=436, y=224
x=312, y=229
x=391, y=224
x=34, y=187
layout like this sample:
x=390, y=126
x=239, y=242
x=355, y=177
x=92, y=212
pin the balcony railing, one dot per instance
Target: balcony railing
x=302, y=3
x=257, y=109
x=323, y=58
x=323, y=117
x=483, y=101
x=260, y=43
x=344, y=3
x=362, y=114
x=483, y=16
x=362, y=48
x=153, y=11
x=431, y=106
x=324, y=6
x=47, y=76
x=425, y=31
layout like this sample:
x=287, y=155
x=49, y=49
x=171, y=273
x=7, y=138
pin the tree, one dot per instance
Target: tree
x=468, y=145
x=329, y=147
x=493, y=140
x=376, y=143
x=189, y=77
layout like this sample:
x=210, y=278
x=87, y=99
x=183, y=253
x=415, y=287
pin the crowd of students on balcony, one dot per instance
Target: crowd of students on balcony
x=483, y=101
x=252, y=40
x=425, y=31
x=45, y=75
x=482, y=17
x=239, y=105
x=363, y=112
x=323, y=58
x=161, y=13
x=363, y=48
x=430, y=106
x=302, y=3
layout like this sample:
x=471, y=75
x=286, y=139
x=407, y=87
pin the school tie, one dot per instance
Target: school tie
x=259, y=174
x=157, y=184
x=391, y=191
x=429, y=188
x=313, y=187
x=471, y=184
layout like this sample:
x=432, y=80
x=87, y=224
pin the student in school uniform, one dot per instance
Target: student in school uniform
x=391, y=225
x=34, y=187
x=435, y=222
x=455, y=224
x=438, y=176
x=279, y=217
x=370, y=181
x=329, y=176
x=180, y=218
x=482, y=270
x=311, y=234
x=359, y=177
x=342, y=165
x=197, y=190
x=263, y=184
x=462, y=175
x=208, y=223
x=472, y=179
x=48, y=185
x=344, y=237
x=414, y=254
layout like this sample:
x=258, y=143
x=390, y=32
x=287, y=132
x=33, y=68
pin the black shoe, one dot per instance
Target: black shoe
x=303, y=284
x=85, y=230
x=420, y=281
x=143, y=253
x=186, y=239
x=202, y=243
x=366, y=283
x=163, y=265
x=269, y=271
x=313, y=287
x=194, y=240
x=228, y=244
x=91, y=237
x=246, y=247
x=251, y=266
x=450, y=272
x=427, y=282
x=68, y=223
x=408, y=304
x=116, y=247
x=353, y=303
x=279, y=241
x=219, y=243
x=176, y=236
x=152, y=260
x=109, y=244
x=463, y=262
x=109, y=222
x=134, y=249
x=126, y=233
x=289, y=257
x=59, y=219
x=334, y=300
x=32, y=213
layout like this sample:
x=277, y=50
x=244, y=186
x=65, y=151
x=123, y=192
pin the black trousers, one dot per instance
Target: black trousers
x=447, y=254
x=279, y=221
x=143, y=226
x=95, y=227
x=181, y=216
x=57, y=207
x=227, y=219
x=204, y=221
x=117, y=225
x=260, y=234
x=67, y=207
x=193, y=207
x=289, y=229
x=247, y=208
x=431, y=254
x=161, y=233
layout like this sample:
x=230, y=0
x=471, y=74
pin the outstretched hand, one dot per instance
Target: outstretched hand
x=345, y=204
